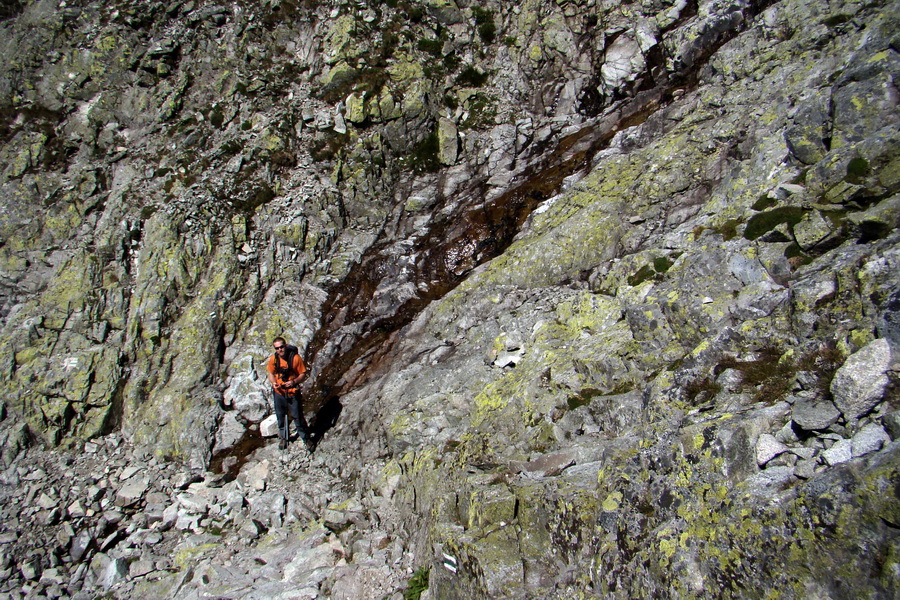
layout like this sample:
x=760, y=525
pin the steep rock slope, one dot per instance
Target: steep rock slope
x=606, y=295
x=649, y=393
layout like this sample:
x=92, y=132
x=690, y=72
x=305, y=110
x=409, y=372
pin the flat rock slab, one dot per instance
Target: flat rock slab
x=130, y=493
x=812, y=415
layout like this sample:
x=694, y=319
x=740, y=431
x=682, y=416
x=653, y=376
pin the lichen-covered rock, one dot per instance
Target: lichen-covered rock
x=587, y=292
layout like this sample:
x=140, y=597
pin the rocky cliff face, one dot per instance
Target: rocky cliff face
x=600, y=299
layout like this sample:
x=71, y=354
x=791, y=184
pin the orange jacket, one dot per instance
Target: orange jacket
x=279, y=377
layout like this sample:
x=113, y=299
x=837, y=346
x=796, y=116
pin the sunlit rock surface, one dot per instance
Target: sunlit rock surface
x=599, y=300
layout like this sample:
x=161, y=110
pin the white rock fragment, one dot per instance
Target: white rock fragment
x=269, y=426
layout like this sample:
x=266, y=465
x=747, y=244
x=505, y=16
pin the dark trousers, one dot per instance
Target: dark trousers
x=287, y=408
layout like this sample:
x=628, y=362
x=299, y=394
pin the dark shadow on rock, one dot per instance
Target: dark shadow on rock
x=324, y=419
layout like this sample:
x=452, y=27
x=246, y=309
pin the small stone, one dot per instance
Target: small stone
x=193, y=503
x=234, y=501
x=142, y=567
x=252, y=528
x=31, y=569
x=116, y=572
x=76, y=510
x=127, y=473
x=840, y=452
x=255, y=476
x=187, y=521
x=811, y=230
x=94, y=493
x=130, y=493
x=46, y=502
x=805, y=469
x=80, y=544
x=804, y=453
x=870, y=438
x=787, y=435
x=170, y=517
x=768, y=448
x=182, y=480
x=892, y=424
x=269, y=426
x=53, y=576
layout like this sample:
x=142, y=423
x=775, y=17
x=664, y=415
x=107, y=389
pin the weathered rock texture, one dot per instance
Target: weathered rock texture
x=600, y=299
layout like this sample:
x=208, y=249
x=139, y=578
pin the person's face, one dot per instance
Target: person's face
x=279, y=348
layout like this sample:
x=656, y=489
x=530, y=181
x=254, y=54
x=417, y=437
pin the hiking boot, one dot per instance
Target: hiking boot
x=283, y=444
x=310, y=446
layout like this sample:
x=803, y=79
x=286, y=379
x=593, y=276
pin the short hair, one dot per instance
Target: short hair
x=279, y=339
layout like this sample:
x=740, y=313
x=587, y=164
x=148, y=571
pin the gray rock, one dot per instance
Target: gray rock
x=115, y=572
x=840, y=452
x=141, y=567
x=188, y=522
x=53, y=576
x=255, y=475
x=76, y=510
x=193, y=503
x=860, y=384
x=229, y=433
x=31, y=569
x=805, y=469
x=767, y=448
x=132, y=492
x=870, y=438
x=811, y=230
x=448, y=142
x=80, y=544
x=806, y=139
x=269, y=508
x=811, y=414
x=892, y=424
x=185, y=478
x=546, y=464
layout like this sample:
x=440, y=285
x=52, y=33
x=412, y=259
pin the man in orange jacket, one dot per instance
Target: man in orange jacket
x=286, y=370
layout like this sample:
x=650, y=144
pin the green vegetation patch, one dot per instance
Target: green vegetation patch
x=484, y=22
x=418, y=583
x=482, y=112
x=643, y=274
x=772, y=372
x=701, y=391
x=424, y=156
x=728, y=229
x=433, y=47
x=471, y=77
